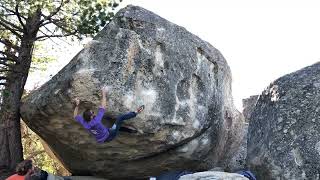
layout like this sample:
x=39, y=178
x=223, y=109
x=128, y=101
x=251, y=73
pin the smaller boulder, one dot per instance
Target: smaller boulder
x=284, y=130
x=213, y=175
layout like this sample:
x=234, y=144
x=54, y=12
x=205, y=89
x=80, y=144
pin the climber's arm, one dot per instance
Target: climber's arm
x=104, y=98
x=76, y=109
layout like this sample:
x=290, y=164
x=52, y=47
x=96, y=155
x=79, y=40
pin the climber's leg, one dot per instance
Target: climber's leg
x=116, y=127
x=126, y=116
x=113, y=132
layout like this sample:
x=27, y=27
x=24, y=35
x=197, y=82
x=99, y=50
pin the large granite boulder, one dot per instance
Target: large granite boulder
x=284, y=130
x=189, y=121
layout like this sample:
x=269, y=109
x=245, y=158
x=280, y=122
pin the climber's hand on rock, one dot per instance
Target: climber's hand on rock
x=77, y=101
x=104, y=97
x=104, y=90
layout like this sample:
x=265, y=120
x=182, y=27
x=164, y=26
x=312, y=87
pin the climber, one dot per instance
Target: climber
x=94, y=125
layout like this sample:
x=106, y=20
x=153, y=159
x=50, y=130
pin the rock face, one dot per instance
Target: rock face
x=238, y=160
x=189, y=121
x=284, y=130
x=213, y=175
x=248, y=106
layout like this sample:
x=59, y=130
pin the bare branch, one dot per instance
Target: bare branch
x=17, y=28
x=9, y=44
x=42, y=32
x=51, y=33
x=3, y=84
x=9, y=55
x=76, y=13
x=50, y=38
x=10, y=70
x=3, y=78
x=46, y=36
x=55, y=22
x=7, y=9
x=5, y=59
x=48, y=29
x=66, y=30
x=9, y=14
x=52, y=13
x=51, y=21
x=7, y=27
x=6, y=64
x=8, y=59
x=19, y=17
x=40, y=38
x=4, y=70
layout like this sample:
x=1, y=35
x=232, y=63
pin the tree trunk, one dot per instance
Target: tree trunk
x=10, y=135
x=11, y=151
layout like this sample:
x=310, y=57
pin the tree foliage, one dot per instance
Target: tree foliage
x=55, y=18
x=34, y=150
x=49, y=18
x=40, y=58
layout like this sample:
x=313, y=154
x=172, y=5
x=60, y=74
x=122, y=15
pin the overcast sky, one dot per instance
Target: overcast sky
x=261, y=40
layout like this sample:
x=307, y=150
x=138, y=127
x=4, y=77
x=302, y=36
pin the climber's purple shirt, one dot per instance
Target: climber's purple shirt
x=95, y=126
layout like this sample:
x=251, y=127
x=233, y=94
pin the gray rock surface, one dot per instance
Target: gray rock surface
x=284, y=131
x=238, y=161
x=248, y=106
x=189, y=121
x=213, y=175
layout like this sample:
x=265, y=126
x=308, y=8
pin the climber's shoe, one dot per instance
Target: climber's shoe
x=140, y=109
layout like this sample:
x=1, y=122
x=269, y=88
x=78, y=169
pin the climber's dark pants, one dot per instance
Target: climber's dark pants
x=113, y=132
